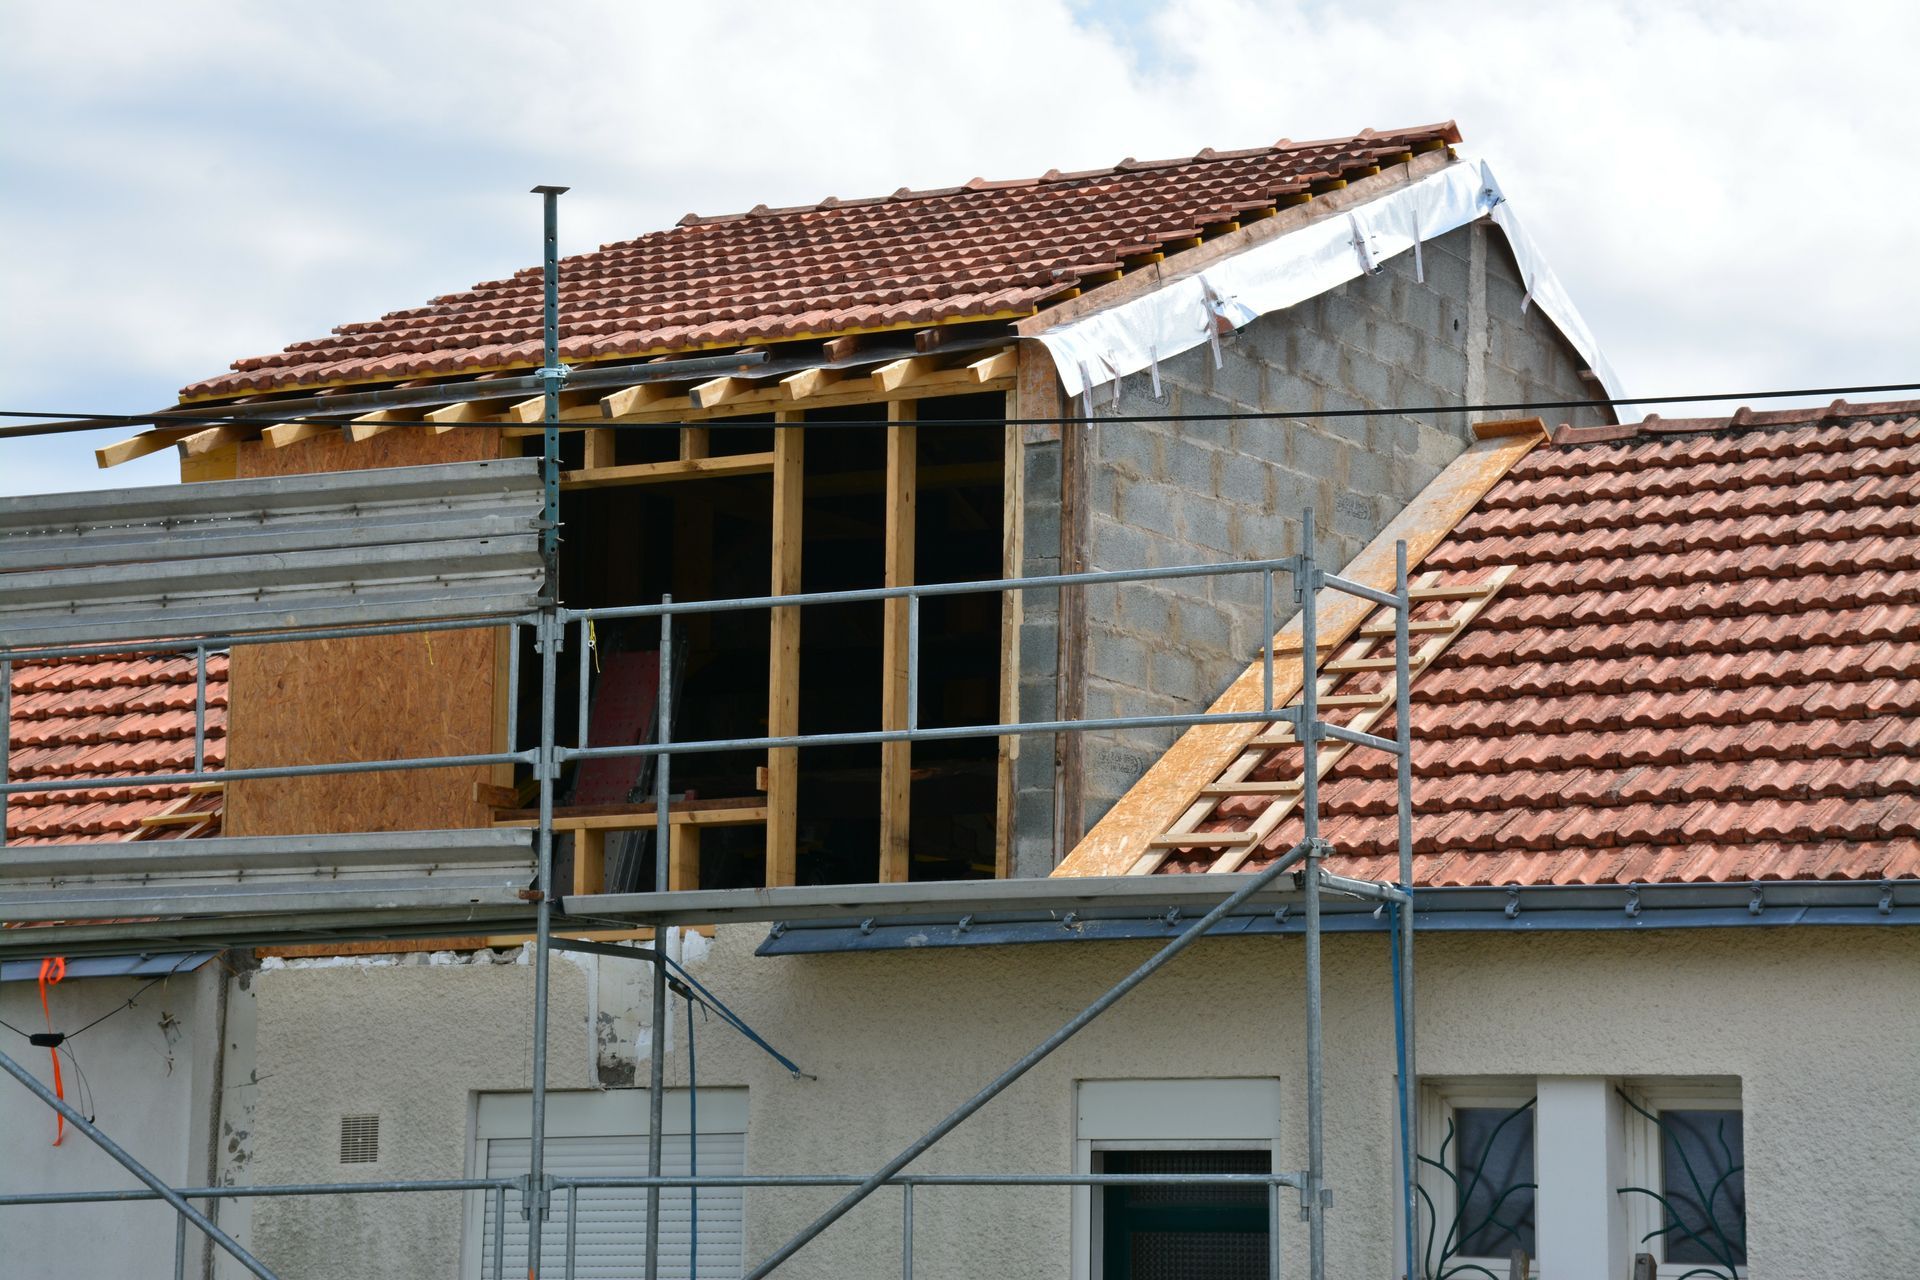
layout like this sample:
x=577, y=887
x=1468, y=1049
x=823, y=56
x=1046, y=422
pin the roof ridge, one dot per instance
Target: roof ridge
x=1447, y=130
x=1745, y=418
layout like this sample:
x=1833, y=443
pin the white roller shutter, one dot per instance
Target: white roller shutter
x=612, y=1232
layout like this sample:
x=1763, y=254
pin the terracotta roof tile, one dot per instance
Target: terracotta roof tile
x=1706, y=668
x=110, y=716
x=915, y=257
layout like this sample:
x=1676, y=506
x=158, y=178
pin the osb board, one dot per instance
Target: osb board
x=367, y=698
x=1197, y=757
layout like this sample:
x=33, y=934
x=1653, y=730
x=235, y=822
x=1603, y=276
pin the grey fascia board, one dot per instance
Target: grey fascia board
x=273, y=898
x=187, y=933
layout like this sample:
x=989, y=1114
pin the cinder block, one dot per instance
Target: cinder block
x=1043, y=465
x=1239, y=378
x=1316, y=454
x=1147, y=504
x=1145, y=608
x=1244, y=481
x=1116, y=545
x=1204, y=628
x=1206, y=523
x=1189, y=465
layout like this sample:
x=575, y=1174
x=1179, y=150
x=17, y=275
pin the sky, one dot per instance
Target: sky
x=1726, y=189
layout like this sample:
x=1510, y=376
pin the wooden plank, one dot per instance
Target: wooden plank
x=770, y=397
x=368, y=425
x=783, y=652
x=899, y=497
x=141, y=445
x=1204, y=840
x=637, y=809
x=1284, y=787
x=589, y=861
x=1070, y=678
x=220, y=464
x=451, y=417
x=1117, y=842
x=695, y=442
x=1013, y=491
x=743, y=464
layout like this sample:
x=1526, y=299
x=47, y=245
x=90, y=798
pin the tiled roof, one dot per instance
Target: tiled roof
x=984, y=249
x=1706, y=667
x=114, y=716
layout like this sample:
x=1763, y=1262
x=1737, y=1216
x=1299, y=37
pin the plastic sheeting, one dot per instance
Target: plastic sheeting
x=1303, y=264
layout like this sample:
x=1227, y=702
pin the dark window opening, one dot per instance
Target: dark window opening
x=1493, y=1167
x=1166, y=1232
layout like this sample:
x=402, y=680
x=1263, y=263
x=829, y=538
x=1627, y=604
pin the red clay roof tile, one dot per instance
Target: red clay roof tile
x=916, y=257
x=117, y=716
x=1707, y=668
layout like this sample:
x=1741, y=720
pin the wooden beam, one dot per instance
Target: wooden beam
x=286, y=433
x=900, y=373
x=1012, y=614
x=835, y=349
x=809, y=382
x=622, y=403
x=1001, y=364
x=896, y=758
x=204, y=442
x=449, y=417
x=141, y=445
x=740, y=464
x=783, y=644
x=368, y=425
x=574, y=405
x=719, y=391
x=694, y=443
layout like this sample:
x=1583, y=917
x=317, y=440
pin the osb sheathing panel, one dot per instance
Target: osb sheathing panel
x=1197, y=757
x=368, y=698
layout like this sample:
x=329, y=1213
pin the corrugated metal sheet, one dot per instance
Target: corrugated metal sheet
x=266, y=875
x=347, y=548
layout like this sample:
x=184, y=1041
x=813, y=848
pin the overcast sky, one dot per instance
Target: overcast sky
x=1728, y=190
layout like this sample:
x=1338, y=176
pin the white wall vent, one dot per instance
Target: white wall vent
x=359, y=1139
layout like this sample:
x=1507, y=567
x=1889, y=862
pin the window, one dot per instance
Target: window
x=606, y=1133
x=1685, y=1196
x=1477, y=1176
x=1173, y=1126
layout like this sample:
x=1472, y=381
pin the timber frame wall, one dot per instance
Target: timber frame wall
x=940, y=367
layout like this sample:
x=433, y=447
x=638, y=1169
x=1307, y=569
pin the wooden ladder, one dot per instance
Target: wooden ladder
x=1371, y=649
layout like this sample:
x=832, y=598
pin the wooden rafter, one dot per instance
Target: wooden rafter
x=141, y=445
x=205, y=442
x=282, y=434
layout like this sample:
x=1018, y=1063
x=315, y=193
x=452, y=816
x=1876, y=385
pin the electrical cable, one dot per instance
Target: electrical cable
x=72, y=421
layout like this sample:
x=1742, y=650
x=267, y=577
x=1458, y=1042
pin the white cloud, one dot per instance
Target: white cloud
x=1719, y=184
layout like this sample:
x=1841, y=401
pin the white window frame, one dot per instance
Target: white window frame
x=1229, y=1114
x=1439, y=1098
x=1642, y=1146
x=580, y=1113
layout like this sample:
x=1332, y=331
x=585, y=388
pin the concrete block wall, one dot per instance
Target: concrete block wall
x=1169, y=493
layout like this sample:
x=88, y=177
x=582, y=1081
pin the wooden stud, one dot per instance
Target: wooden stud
x=589, y=861
x=1013, y=493
x=599, y=448
x=695, y=442
x=896, y=758
x=783, y=646
x=835, y=350
x=683, y=857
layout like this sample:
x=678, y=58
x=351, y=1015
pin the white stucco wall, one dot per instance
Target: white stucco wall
x=1815, y=1024
x=149, y=1074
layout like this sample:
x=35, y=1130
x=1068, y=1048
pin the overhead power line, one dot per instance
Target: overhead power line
x=62, y=423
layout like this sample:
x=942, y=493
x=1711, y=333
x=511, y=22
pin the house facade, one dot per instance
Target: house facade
x=1662, y=725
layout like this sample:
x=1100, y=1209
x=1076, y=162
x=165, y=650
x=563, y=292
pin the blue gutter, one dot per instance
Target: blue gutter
x=1516, y=910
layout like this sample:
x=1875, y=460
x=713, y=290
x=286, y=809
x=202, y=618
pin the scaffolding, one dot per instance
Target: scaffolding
x=477, y=545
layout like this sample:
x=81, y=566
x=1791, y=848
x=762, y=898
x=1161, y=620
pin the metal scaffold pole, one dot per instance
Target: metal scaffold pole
x=1308, y=584
x=534, y=1200
x=1403, y=769
x=662, y=835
